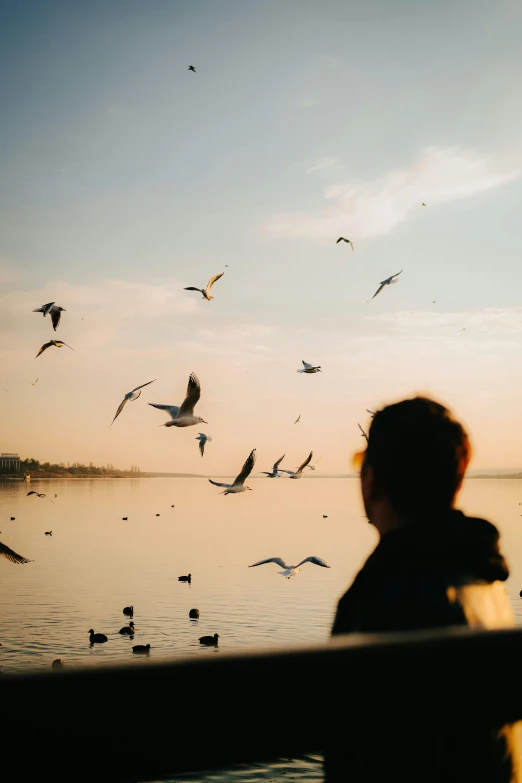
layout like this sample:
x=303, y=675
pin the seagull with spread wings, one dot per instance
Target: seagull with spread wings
x=191, y=68
x=203, y=439
x=238, y=484
x=292, y=570
x=183, y=416
x=349, y=241
x=313, y=467
x=14, y=557
x=363, y=434
x=372, y=413
x=298, y=419
x=389, y=281
x=54, y=310
x=132, y=395
x=296, y=474
x=275, y=470
x=39, y=494
x=33, y=383
x=309, y=368
x=56, y=343
x=206, y=291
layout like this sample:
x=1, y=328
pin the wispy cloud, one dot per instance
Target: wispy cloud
x=322, y=164
x=376, y=207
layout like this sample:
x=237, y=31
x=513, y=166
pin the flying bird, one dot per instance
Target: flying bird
x=313, y=467
x=202, y=441
x=54, y=310
x=298, y=419
x=423, y=204
x=309, y=368
x=372, y=413
x=238, y=484
x=292, y=570
x=39, y=494
x=191, y=68
x=35, y=382
x=274, y=472
x=296, y=474
x=132, y=395
x=183, y=416
x=206, y=291
x=349, y=241
x=56, y=343
x=14, y=557
x=389, y=281
x=363, y=434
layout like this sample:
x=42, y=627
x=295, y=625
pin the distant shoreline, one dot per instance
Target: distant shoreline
x=147, y=475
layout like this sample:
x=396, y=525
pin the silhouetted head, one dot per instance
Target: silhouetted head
x=415, y=460
x=131, y=624
x=91, y=630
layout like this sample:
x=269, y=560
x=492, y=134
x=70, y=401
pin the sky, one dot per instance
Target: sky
x=126, y=177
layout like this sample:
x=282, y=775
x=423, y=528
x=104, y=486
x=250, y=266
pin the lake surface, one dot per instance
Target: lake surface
x=95, y=564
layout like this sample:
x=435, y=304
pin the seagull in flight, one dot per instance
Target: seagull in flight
x=14, y=557
x=275, y=472
x=389, y=281
x=423, y=204
x=309, y=368
x=313, y=467
x=191, y=68
x=56, y=343
x=292, y=570
x=298, y=419
x=33, y=383
x=296, y=474
x=183, y=416
x=202, y=440
x=372, y=413
x=349, y=241
x=132, y=395
x=238, y=484
x=205, y=291
x=363, y=434
x=54, y=310
x=39, y=494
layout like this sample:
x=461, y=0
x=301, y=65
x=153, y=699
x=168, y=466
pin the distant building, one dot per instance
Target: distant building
x=9, y=460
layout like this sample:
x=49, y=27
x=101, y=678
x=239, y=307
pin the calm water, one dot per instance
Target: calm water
x=95, y=563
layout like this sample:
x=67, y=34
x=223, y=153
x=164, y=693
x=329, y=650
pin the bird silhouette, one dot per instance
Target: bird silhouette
x=56, y=343
x=342, y=239
x=191, y=68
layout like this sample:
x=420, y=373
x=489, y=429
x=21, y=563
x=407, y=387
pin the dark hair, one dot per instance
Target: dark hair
x=419, y=454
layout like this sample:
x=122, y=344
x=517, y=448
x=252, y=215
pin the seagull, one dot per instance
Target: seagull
x=191, y=68
x=388, y=281
x=39, y=494
x=423, y=204
x=296, y=474
x=349, y=241
x=275, y=472
x=33, y=384
x=54, y=310
x=309, y=368
x=205, y=291
x=292, y=570
x=132, y=395
x=14, y=557
x=313, y=467
x=56, y=343
x=372, y=413
x=202, y=440
x=238, y=484
x=183, y=416
x=363, y=434
x=298, y=419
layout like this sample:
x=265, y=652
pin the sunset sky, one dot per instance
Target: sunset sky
x=126, y=177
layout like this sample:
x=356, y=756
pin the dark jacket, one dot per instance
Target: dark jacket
x=424, y=576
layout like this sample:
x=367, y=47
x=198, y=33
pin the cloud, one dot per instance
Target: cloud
x=376, y=207
x=488, y=322
x=322, y=164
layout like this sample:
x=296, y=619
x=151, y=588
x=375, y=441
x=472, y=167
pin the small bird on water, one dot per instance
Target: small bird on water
x=11, y=555
x=194, y=614
x=57, y=663
x=342, y=239
x=127, y=629
x=132, y=395
x=183, y=416
x=56, y=343
x=141, y=648
x=291, y=570
x=206, y=291
x=97, y=638
x=238, y=484
x=187, y=578
x=48, y=532
x=128, y=610
x=209, y=641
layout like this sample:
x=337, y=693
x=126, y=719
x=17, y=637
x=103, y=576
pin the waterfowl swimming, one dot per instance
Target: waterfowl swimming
x=210, y=641
x=129, y=611
x=12, y=519
x=141, y=648
x=57, y=664
x=48, y=532
x=125, y=519
x=128, y=629
x=187, y=578
x=97, y=638
x=194, y=613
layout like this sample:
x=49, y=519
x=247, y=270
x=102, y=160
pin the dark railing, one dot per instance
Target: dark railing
x=151, y=720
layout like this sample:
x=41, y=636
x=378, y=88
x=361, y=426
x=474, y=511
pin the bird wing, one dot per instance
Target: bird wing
x=32, y=492
x=218, y=484
x=119, y=410
x=202, y=446
x=172, y=410
x=351, y=245
x=247, y=467
x=56, y=314
x=396, y=275
x=340, y=239
x=305, y=463
x=279, y=461
x=193, y=288
x=317, y=460
x=59, y=344
x=363, y=432
x=213, y=280
x=306, y=364
x=379, y=290
x=44, y=347
x=295, y=422
x=372, y=413
x=270, y=560
x=143, y=384
x=316, y=560
x=193, y=395
x=14, y=557
x=290, y=472
x=44, y=308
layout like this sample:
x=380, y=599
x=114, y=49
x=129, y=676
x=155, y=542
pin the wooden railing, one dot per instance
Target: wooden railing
x=153, y=720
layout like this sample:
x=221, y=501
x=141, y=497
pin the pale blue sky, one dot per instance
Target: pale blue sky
x=126, y=177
